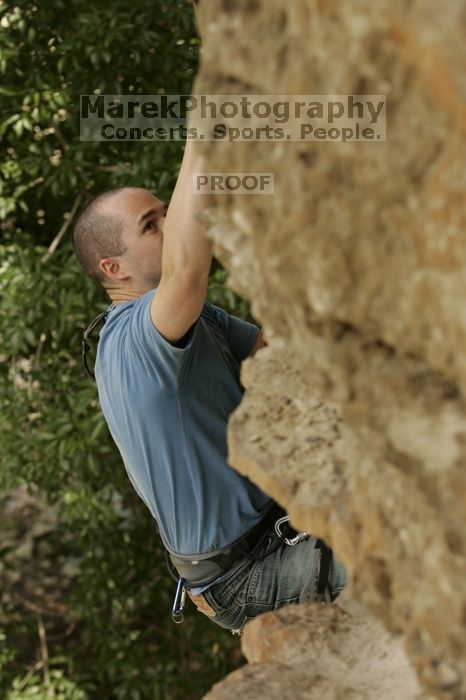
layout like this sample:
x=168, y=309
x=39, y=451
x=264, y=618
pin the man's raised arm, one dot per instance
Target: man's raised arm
x=186, y=254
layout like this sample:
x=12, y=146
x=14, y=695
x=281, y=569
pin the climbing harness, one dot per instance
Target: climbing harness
x=325, y=555
x=190, y=572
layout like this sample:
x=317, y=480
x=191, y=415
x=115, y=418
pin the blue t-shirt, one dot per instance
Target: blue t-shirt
x=167, y=409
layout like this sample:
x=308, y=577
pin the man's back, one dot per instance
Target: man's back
x=167, y=408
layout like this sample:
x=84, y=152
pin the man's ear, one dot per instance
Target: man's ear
x=112, y=269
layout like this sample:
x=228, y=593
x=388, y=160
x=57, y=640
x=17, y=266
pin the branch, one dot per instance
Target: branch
x=45, y=656
x=40, y=345
x=69, y=630
x=54, y=244
x=38, y=665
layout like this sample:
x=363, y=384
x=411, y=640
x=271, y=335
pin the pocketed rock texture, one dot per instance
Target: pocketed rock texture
x=353, y=416
x=308, y=652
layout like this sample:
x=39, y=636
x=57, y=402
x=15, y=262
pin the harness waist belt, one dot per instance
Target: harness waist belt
x=206, y=568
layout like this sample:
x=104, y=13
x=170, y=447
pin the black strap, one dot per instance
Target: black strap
x=325, y=560
x=262, y=555
x=85, y=347
x=267, y=526
x=168, y=563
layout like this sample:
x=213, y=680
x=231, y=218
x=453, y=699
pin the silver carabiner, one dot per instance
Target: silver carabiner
x=291, y=542
x=178, y=603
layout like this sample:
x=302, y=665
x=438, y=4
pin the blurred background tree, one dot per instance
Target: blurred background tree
x=85, y=596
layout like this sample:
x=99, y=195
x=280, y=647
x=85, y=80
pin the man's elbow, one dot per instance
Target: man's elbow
x=260, y=343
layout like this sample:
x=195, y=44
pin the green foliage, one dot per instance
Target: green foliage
x=33, y=687
x=116, y=595
x=50, y=54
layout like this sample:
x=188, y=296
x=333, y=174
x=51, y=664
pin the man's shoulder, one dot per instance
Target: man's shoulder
x=119, y=315
x=130, y=323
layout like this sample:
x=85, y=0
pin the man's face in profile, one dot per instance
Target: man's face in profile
x=143, y=218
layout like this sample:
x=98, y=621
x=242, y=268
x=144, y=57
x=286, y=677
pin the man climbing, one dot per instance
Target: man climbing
x=167, y=372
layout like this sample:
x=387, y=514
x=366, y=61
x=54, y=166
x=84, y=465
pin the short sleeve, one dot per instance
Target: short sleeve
x=241, y=335
x=168, y=359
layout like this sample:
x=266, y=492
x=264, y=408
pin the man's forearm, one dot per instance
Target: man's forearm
x=185, y=248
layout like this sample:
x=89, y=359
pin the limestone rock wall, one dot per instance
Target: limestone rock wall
x=354, y=415
x=309, y=652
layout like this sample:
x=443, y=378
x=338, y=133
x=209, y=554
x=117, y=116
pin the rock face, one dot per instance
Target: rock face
x=353, y=416
x=309, y=652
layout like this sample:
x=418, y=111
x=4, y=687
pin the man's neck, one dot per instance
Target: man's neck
x=119, y=296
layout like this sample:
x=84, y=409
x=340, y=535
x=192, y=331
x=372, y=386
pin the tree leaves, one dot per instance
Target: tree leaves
x=54, y=437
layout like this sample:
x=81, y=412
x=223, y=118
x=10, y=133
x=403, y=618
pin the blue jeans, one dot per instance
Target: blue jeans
x=287, y=575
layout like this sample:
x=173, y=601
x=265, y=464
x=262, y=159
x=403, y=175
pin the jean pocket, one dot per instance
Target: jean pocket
x=225, y=616
x=228, y=596
x=221, y=601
